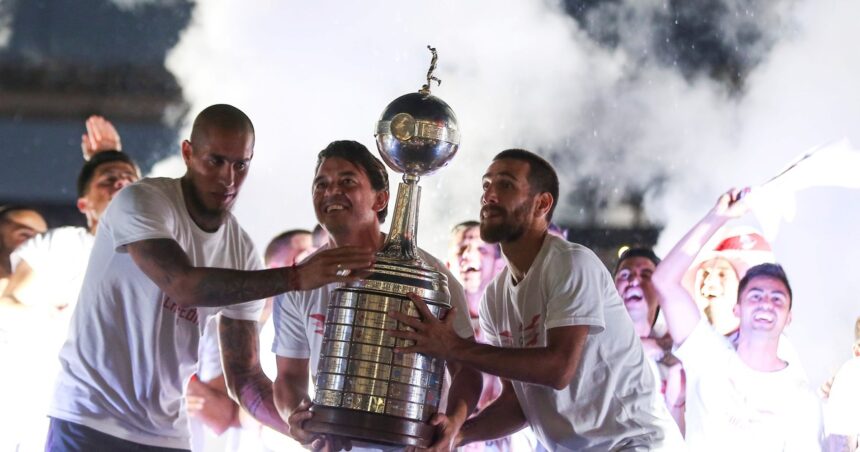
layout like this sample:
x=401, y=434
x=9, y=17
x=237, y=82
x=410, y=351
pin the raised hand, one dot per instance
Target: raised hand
x=101, y=136
x=732, y=204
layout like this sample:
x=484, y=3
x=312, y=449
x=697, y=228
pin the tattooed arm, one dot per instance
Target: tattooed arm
x=246, y=382
x=167, y=265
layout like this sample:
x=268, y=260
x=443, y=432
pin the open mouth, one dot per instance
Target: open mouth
x=764, y=316
x=334, y=207
x=634, y=295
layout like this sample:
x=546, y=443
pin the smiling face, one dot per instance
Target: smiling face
x=716, y=293
x=764, y=307
x=475, y=260
x=633, y=283
x=344, y=199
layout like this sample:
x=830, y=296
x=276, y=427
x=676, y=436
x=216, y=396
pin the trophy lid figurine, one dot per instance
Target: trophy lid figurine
x=363, y=389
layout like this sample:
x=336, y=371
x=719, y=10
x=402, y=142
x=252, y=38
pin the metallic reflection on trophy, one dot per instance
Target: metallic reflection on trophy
x=363, y=389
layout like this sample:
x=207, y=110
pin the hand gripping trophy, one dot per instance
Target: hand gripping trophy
x=363, y=389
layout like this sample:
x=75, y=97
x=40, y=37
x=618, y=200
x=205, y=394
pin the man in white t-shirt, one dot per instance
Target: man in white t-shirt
x=572, y=366
x=167, y=256
x=633, y=280
x=350, y=196
x=746, y=397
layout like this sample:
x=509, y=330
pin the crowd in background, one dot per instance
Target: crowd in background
x=710, y=317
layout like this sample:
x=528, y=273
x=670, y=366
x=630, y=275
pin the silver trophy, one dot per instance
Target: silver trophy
x=363, y=389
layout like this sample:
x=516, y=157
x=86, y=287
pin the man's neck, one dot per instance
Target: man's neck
x=368, y=237
x=204, y=220
x=642, y=328
x=521, y=253
x=760, y=353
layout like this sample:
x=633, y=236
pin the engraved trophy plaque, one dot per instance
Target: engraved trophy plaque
x=363, y=389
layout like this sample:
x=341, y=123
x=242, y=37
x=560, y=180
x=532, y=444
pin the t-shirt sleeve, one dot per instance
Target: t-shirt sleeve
x=703, y=350
x=138, y=212
x=485, y=319
x=462, y=324
x=290, y=336
x=576, y=286
x=250, y=310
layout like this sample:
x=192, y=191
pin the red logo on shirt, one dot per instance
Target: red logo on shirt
x=189, y=314
x=530, y=332
x=319, y=322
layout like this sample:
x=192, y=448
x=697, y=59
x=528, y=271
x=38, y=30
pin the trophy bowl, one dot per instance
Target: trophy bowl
x=417, y=134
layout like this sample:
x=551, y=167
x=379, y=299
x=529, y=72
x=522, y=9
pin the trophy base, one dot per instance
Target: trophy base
x=371, y=427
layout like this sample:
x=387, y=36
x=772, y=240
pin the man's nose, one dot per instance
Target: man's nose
x=228, y=176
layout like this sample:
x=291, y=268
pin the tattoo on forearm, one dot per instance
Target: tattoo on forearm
x=241, y=358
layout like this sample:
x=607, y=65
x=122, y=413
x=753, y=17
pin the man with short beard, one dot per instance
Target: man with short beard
x=168, y=255
x=572, y=366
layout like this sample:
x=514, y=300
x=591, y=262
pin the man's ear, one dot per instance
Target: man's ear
x=544, y=203
x=381, y=200
x=83, y=204
x=187, y=150
x=736, y=309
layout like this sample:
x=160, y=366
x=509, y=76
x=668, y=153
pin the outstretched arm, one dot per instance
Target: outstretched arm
x=246, y=382
x=682, y=313
x=553, y=365
x=503, y=417
x=167, y=265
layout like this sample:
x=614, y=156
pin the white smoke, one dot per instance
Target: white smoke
x=525, y=74
x=5, y=25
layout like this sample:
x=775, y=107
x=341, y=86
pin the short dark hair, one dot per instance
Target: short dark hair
x=355, y=153
x=766, y=270
x=281, y=240
x=221, y=117
x=630, y=253
x=542, y=177
x=7, y=209
x=89, y=168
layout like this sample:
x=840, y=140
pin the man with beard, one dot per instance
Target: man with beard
x=744, y=396
x=350, y=196
x=571, y=364
x=168, y=255
x=633, y=280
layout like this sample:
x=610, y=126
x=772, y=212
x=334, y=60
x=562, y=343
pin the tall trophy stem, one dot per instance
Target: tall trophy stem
x=401, y=243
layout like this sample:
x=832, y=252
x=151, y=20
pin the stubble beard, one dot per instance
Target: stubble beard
x=510, y=229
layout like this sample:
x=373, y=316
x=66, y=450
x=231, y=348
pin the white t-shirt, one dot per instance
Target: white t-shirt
x=130, y=348
x=731, y=407
x=299, y=319
x=843, y=405
x=612, y=401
